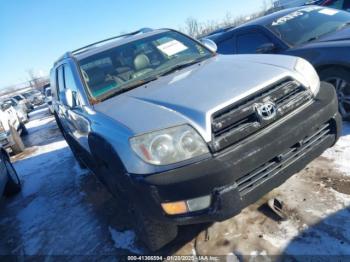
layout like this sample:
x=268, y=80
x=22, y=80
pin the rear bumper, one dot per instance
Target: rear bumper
x=243, y=173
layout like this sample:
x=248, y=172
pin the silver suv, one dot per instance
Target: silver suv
x=183, y=135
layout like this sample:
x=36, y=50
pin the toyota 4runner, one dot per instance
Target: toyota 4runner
x=182, y=135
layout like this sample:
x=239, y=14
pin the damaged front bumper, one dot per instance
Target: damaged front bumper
x=243, y=173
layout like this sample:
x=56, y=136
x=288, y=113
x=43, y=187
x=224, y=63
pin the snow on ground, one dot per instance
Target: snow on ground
x=338, y=152
x=64, y=210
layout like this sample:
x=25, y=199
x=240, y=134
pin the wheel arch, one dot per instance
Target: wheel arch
x=99, y=146
x=320, y=68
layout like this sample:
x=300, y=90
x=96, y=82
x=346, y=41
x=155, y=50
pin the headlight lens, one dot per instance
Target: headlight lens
x=309, y=73
x=169, y=146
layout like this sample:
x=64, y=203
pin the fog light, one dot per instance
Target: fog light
x=199, y=203
x=175, y=208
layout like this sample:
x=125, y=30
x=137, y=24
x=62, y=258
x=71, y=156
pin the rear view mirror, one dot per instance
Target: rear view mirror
x=267, y=48
x=210, y=44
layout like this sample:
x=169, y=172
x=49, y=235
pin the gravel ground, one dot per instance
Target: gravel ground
x=64, y=210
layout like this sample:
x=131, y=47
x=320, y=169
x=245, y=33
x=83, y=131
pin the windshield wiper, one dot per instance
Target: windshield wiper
x=150, y=79
x=181, y=66
x=312, y=39
x=342, y=26
x=129, y=87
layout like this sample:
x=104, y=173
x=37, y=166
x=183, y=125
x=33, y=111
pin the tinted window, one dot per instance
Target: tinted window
x=60, y=80
x=338, y=4
x=69, y=80
x=226, y=46
x=248, y=43
x=18, y=98
x=308, y=24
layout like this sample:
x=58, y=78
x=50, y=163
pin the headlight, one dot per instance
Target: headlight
x=169, y=146
x=309, y=73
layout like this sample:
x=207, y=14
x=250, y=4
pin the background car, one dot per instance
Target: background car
x=48, y=99
x=320, y=35
x=35, y=97
x=11, y=129
x=20, y=108
x=337, y=4
x=23, y=101
x=9, y=181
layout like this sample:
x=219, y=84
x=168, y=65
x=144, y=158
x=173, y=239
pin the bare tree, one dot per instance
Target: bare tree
x=192, y=27
x=34, y=80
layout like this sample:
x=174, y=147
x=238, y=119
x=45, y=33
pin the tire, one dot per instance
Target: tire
x=24, y=129
x=13, y=185
x=18, y=146
x=154, y=235
x=340, y=79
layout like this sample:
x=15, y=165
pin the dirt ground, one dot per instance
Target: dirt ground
x=64, y=210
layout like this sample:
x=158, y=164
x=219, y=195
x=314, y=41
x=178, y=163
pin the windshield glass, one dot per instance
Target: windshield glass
x=308, y=24
x=118, y=69
x=18, y=98
x=26, y=95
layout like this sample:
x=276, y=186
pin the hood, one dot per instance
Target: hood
x=193, y=94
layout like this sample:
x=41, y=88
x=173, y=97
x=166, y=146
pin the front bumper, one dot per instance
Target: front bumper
x=243, y=173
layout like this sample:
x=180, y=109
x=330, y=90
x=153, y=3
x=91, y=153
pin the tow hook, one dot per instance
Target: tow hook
x=277, y=206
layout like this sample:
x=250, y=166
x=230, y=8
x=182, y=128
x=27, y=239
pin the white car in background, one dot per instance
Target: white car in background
x=23, y=101
x=21, y=109
x=11, y=129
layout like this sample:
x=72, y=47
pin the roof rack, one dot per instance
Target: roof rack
x=84, y=48
x=140, y=31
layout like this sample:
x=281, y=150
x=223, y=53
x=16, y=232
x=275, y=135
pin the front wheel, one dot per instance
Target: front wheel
x=154, y=235
x=340, y=79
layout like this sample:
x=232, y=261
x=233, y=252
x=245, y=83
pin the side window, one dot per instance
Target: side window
x=226, y=46
x=60, y=81
x=248, y=43
x=69, y=81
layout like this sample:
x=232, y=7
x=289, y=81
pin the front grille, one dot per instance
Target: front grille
x=257, y=177
x=238, y=121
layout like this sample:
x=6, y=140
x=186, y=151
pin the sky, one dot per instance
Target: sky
x=34, y=33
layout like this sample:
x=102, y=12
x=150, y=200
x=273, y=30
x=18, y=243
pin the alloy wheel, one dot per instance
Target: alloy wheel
x=343, y=92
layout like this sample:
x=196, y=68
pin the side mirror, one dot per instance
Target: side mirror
x=210, y=44
x=68, y=98
x=267, y=48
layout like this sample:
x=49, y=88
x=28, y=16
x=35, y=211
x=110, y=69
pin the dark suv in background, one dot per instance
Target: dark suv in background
x=320, y=35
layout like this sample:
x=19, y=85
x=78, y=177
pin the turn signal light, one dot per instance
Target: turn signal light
x=175, y=208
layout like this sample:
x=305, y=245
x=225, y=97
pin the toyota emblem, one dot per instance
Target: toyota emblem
x=266, y=111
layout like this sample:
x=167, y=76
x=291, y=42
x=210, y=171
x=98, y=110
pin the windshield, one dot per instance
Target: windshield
x=26, y=95
x=119, y=69
x=308, y=24
x=18, y=98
